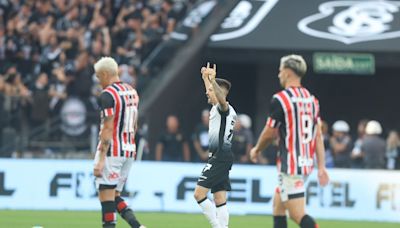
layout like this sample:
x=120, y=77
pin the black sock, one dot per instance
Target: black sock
x=280, y=221
x=109, y=216
x=126, y=213
x=308, y=222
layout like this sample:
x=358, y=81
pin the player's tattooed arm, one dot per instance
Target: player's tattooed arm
x=104, y=146
x=106, y=102
x=106, y=135
x=105, y=141
x=266, y=138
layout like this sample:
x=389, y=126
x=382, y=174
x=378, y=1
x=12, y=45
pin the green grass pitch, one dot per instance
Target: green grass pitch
x=78, y=219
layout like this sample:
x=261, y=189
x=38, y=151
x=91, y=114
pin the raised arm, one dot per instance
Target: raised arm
x=204, y=76
x=219, y=93
x=221, y=96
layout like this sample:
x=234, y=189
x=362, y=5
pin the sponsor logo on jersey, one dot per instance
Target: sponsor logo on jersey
x=299, y=184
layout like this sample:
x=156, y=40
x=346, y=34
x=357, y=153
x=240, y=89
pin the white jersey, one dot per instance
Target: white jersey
x=221, y=131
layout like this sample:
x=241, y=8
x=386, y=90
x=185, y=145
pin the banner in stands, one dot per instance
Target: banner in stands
x=356, y=25
x=156, y=186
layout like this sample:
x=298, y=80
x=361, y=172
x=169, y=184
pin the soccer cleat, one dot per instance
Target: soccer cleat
x=142, y=226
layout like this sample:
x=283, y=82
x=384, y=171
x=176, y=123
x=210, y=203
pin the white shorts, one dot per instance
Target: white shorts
x=290, y=187
x=115, y=172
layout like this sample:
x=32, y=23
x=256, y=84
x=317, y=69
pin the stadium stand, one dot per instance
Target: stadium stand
x=48, y=91
x=47, y=50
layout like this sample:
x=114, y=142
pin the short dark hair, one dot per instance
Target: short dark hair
x=224, y=83
x=169, y=2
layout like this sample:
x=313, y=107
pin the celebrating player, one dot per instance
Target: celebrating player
x=116, y=150
x=215, y=175
x=294, y=115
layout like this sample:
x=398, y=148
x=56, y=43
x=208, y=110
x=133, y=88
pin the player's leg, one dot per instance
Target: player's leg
x=106, y=185
x=279, y=211
x=126, y=212
x=292, y=193
x=106, y=197
x=222, y=208
x=297, y=213
x=208, y=208
x=204, y=183
x=122, y=207
x=219, y=190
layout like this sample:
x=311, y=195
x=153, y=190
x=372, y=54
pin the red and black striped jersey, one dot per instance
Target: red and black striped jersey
x=121, y=101
x=295, y=112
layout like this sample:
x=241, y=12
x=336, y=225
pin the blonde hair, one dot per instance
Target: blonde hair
x=108, y=65
x=393, y=140
x=295, y=63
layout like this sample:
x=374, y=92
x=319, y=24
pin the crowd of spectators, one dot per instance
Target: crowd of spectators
x=48, y=47
x=368, y=150
x=47, y=50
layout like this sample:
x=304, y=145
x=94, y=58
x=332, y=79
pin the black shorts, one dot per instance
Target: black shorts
x=215, y=175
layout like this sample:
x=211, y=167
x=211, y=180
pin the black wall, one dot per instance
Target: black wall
x=352, y=97
x=347, y=97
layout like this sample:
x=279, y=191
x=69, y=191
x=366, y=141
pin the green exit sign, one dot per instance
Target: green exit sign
x=343, y=63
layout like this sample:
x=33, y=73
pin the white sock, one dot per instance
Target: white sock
x=223, y=215
x=209, y=211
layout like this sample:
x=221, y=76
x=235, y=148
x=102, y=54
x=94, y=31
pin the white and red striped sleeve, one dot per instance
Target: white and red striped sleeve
x=276, y=114
x=107, y=104
x=108, y=112
x=272, y=123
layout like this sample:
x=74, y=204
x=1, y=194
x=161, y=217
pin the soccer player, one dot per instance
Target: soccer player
x=116, y=150
x=294, y=115
x=215, y=175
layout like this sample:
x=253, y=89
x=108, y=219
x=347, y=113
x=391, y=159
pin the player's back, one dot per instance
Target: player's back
x=125, y=111
x=297, y=130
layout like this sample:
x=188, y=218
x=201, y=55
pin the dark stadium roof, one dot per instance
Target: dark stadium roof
x=327, y=25
x=258, y=26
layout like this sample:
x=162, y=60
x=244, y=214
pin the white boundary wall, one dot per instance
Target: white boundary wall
x=164, y=186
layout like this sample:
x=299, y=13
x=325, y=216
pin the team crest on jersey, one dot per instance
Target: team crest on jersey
x=113, y=176
x=299, y=184
x=242, y=20
x=354, y=21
